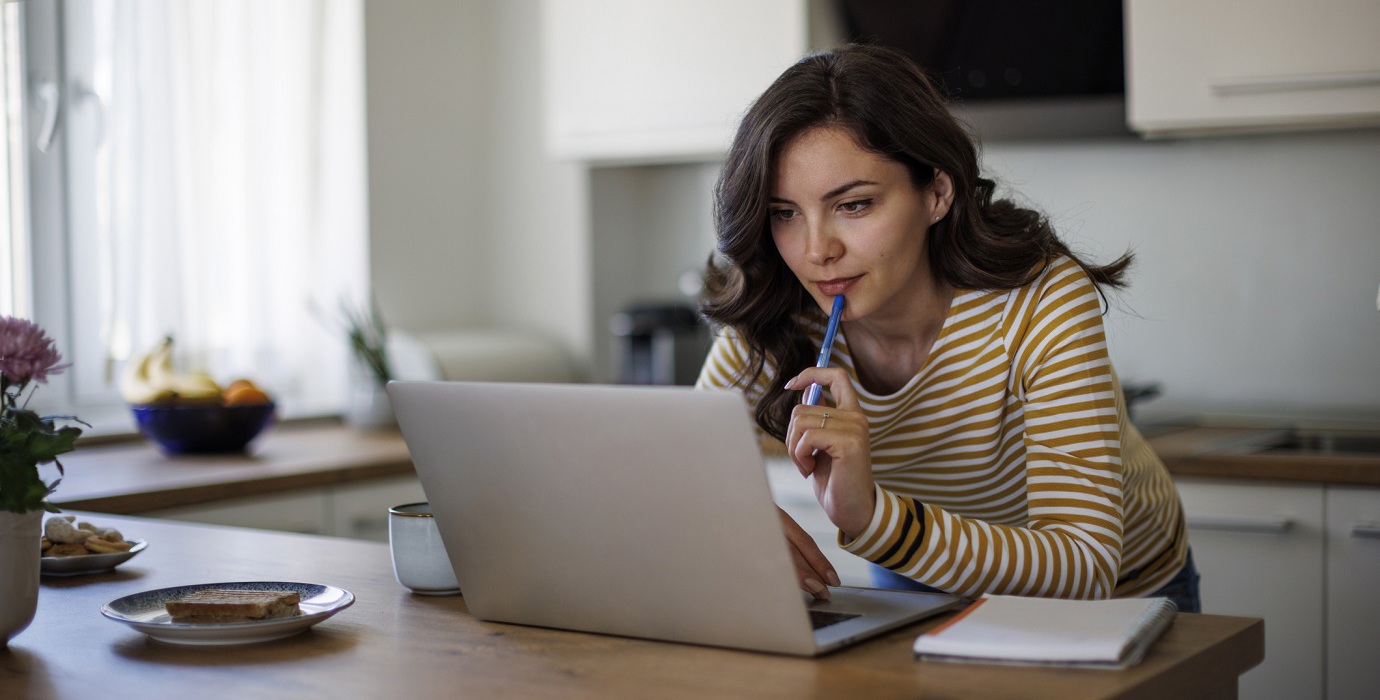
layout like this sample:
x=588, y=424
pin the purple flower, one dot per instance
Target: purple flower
x=26, y=352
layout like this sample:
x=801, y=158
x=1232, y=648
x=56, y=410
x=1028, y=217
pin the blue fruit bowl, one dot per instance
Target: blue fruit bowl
x=202, y=428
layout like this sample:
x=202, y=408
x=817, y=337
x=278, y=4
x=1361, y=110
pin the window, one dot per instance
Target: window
x=206, y=180
x=14, y=248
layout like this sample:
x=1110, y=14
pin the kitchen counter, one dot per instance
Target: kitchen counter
x=134, y=478
x=1217, y=452
x=391, y=643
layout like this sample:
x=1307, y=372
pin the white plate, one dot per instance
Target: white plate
x=89, y=563
x=146, y=613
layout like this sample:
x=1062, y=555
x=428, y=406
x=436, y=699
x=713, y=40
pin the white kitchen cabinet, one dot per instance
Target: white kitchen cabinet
x=630, y=80
x=1259, y=549
x=359, y=510
x=292, y=511
x=1197, y=66
x=1353, y=583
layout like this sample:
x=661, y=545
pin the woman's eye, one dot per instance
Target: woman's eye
x=782, y=214
x=856, y=206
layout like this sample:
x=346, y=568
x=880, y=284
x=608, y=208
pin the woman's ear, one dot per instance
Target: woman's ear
x=942, y=190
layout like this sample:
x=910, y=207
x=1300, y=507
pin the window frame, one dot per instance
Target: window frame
x=47, y=233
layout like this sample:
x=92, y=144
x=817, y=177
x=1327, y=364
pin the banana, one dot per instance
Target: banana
x=151, y=378
x=197, y=386
x=160, y=370
x=143, y=379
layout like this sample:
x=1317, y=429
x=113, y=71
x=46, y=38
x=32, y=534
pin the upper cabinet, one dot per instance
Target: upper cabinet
x=632, y=80
x=1207, y=66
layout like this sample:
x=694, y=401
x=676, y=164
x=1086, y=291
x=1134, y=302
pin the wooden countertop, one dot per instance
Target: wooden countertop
x=394, y=644
x=1198, y=451
x=136, y=478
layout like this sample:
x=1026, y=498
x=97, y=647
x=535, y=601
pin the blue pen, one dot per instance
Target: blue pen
x=812, y=394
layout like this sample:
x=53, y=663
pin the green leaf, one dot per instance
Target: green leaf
x=46, y=445
x=26, y=441
x=21, y=489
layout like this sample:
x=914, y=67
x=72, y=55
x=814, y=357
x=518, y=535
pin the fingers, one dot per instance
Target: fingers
x=840, y=387
x=812, y=567
x=809, y=580
x=835, y=379
x=834, y=452
x=817, y=433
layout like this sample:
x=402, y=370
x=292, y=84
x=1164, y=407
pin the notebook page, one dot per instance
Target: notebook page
x=1015, y=629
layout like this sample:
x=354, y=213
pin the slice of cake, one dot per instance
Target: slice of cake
x=233, y=605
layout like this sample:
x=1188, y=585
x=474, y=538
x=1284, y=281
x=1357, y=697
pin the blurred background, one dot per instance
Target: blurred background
x=540, y=174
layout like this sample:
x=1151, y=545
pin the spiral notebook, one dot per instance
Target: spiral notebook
x=1050, y=632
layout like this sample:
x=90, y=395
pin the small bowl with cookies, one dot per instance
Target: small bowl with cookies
x=71, y=547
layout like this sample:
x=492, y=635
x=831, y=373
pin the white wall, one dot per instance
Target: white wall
x=1258, y=262
x=427, y=118
x=471, y=225
x=538, y=228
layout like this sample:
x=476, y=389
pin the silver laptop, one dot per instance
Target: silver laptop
x=635, y=511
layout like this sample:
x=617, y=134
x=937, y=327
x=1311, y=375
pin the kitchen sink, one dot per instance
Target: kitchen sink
x=1300, y=441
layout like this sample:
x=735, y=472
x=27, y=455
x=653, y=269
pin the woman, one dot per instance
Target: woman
x=974, y=438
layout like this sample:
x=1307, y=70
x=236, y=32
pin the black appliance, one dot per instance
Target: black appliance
x=657, y=343
x=991, y=50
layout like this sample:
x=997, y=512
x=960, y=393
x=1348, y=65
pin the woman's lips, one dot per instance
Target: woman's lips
x=836, y=287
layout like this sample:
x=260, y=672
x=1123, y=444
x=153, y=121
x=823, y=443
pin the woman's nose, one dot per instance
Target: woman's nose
x=822, y=246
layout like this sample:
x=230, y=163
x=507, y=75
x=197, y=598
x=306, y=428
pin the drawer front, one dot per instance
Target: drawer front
x=1353, y=583
x=1259, y=548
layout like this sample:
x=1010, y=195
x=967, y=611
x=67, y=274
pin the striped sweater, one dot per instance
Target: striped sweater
x=1007, y=465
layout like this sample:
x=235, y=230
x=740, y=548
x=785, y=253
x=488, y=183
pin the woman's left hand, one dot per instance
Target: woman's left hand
x=832, y=444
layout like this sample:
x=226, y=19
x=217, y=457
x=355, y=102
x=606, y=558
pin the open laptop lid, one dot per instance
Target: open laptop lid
x=635, y=511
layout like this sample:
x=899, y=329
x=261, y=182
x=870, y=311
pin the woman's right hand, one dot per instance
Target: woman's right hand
x=812, y=568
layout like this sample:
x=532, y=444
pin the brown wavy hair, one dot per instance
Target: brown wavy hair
x=894, y=110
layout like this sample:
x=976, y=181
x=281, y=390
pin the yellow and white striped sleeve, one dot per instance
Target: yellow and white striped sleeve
x=725, y=363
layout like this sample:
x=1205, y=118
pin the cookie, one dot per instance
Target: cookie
x=67, y=550
x=103, y=546
x=62, y=531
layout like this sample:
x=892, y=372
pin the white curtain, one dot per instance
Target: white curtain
x=229, y=184
x=14, y=252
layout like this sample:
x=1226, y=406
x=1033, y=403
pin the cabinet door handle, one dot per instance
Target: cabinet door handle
x=1259, y=526
x=1294, y=83
x=50, y=97
x=1370, y=531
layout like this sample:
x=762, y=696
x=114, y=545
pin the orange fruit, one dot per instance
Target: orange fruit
x=243, y=392
x=240, y=384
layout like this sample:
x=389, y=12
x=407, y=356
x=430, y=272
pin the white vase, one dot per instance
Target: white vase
x=19, y=564
x=368, y=407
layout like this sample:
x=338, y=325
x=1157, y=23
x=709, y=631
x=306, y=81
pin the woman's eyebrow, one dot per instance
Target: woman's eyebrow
x=844, y=188
x=828, y=195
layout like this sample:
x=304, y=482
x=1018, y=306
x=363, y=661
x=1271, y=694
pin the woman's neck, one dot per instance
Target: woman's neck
x=887, y=352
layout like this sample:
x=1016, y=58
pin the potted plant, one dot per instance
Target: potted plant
x=27, y=441
x=367, y=406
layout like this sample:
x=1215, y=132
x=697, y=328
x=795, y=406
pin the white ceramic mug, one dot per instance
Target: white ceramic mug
x=419, y=559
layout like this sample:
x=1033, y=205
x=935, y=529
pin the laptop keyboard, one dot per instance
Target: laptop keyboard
x=820, y=619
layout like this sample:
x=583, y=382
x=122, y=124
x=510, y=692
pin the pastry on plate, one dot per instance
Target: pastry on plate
x=215, y=605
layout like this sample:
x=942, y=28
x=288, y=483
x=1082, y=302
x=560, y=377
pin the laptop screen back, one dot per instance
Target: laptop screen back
x=636, y=511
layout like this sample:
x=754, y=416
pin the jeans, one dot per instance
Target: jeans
x=1182, y=589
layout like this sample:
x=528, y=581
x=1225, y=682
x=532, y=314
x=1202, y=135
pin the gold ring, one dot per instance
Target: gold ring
x=824, y=420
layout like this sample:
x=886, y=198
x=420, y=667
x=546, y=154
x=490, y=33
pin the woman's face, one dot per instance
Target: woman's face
x=848, y=221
